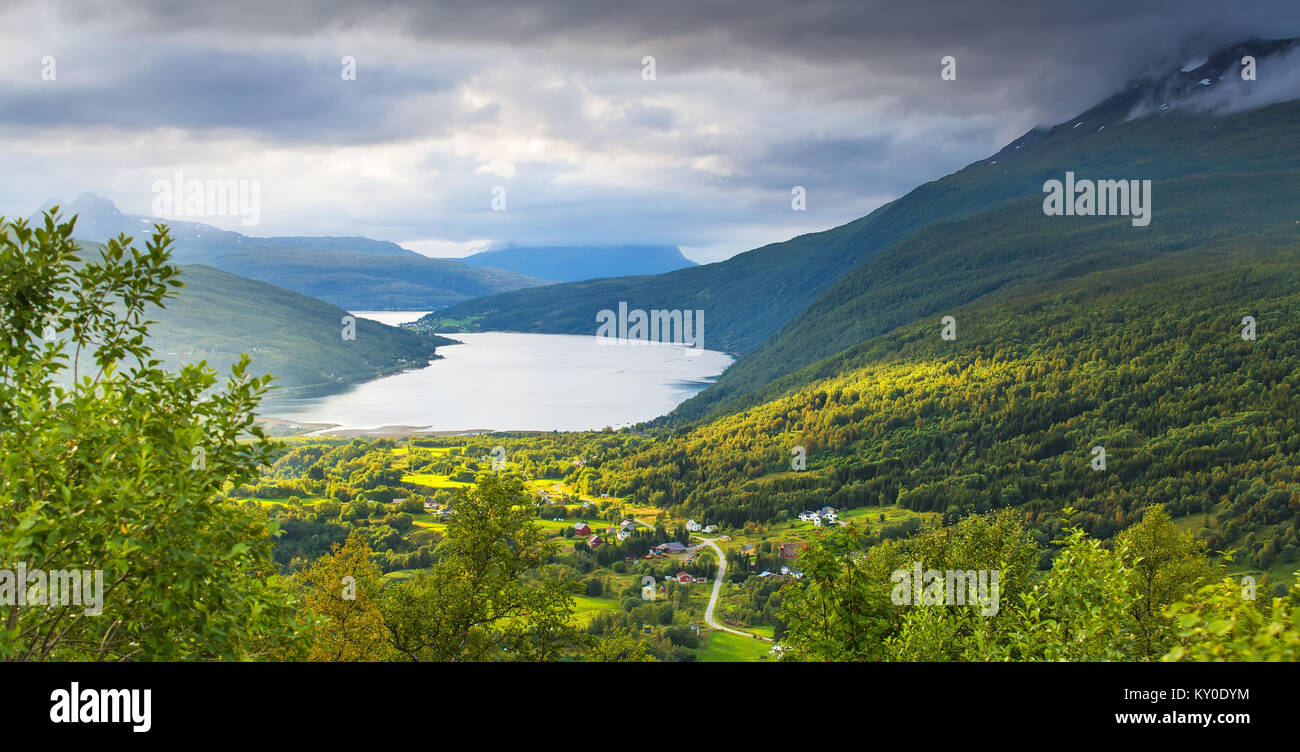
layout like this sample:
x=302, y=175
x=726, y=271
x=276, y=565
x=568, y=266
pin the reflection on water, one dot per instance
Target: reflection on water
x=506, y=381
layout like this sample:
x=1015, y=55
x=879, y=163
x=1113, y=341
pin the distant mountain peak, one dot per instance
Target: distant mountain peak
x=574, y=263
x=90, y=200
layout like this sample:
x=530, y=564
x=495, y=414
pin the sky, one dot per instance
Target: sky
x=552, y=107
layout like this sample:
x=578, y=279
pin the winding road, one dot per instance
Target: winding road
x=717, y=588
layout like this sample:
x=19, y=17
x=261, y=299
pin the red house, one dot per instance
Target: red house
x=581, y=528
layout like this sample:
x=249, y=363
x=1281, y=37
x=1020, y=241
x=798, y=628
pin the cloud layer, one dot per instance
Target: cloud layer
x=551, y=102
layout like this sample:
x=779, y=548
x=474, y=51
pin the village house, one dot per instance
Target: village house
x=671, y=547
x=595, y=542
x=580, y=528
x=692, y=526
x=825, y=515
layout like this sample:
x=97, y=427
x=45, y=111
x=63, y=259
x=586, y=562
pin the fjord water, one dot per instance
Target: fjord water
x=529, y=382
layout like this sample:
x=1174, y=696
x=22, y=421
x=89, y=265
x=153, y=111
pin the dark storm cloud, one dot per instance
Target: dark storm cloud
x=280, y=96
x=751, y=98
x=1055, y=57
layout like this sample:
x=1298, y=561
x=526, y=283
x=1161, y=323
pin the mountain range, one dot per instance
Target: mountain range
x=217, y=316
x=352, y=272
x=575, y=263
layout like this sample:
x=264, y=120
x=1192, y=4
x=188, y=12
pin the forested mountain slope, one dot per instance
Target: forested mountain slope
x=954, y=263
x=299, y=340
x=1146, y=361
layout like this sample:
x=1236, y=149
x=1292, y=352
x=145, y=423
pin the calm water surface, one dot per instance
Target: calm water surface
x=507, y=381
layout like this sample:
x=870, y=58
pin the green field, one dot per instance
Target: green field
x=584, y=606
x=279, y=500
x=724, y=647
x=433, y=480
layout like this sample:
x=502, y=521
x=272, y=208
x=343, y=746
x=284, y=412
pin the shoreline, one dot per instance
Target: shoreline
x=284, y=428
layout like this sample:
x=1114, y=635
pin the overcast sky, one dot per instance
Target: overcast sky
x=550, y=102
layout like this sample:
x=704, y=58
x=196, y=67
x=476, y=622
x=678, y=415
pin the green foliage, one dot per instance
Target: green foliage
x=113, y=464
x=1079, y=611
x=1092, y=604
x=1166, y=564
x=620, y=647
x=841, y=610
x=343, y=589
x=1220, y=624
x=478, y=601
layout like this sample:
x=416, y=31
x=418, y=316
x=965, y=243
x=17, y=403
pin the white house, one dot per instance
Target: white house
x=692, y=526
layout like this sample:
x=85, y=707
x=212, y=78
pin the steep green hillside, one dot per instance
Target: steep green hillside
x=1145, y=360
x=954, y=263
x=218, y=315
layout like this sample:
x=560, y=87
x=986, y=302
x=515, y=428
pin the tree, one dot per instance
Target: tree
x=483, y=599
x=621, y=646
x=1218, y=624
x=344, y=587
x=114, y=466
x=1079, y=611
x=1166, y=564
x=840, y=610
